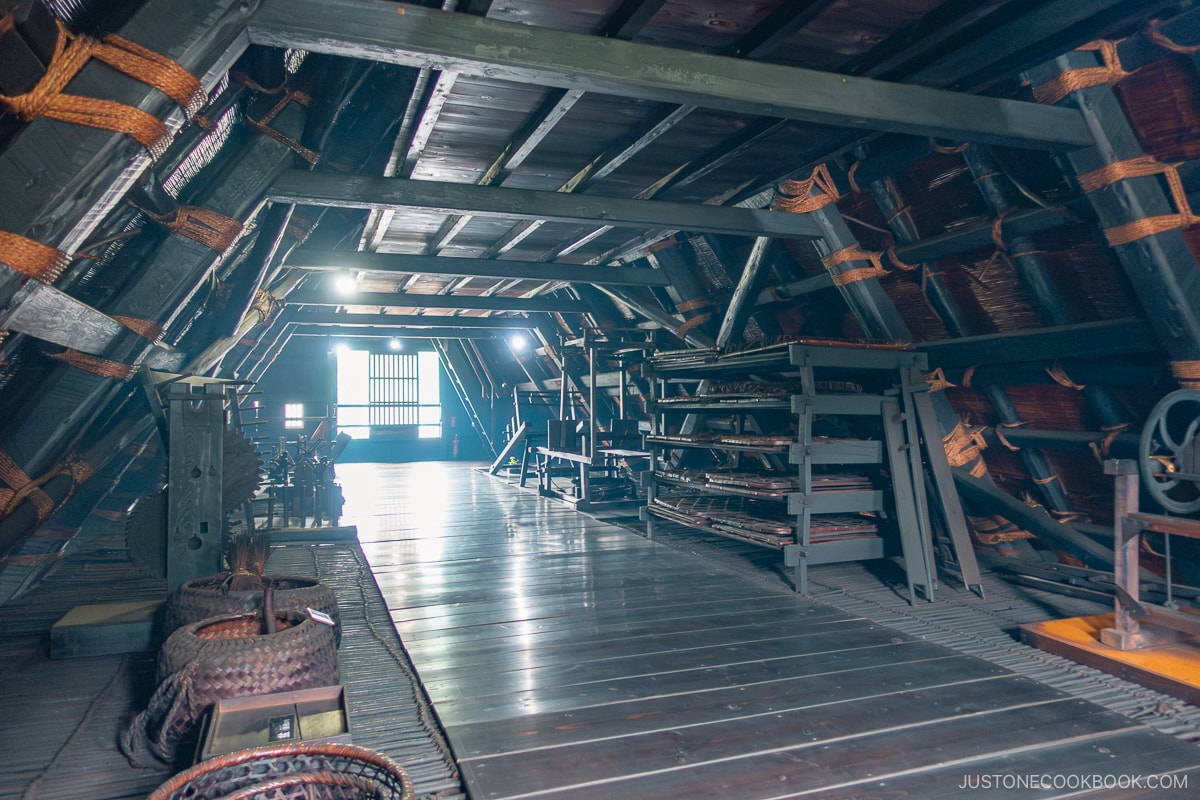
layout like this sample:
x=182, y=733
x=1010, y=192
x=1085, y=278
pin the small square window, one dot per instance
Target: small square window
x=293, y=415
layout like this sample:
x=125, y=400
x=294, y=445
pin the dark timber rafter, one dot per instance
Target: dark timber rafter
x=527, y=54
x=777, y=27
x=543, y=120
x=625, y=22
x=363, y=191
x=1031, y=38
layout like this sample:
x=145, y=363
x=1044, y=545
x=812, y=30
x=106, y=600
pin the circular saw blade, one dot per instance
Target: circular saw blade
x=241, y=470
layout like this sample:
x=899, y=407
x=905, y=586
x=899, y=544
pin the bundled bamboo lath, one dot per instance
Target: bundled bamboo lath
x=1082, y=477
x=1091, y=271
x=1162, y=101
x=1050, y=407
x=936, y=191
x=910, y=301
x=995, y=288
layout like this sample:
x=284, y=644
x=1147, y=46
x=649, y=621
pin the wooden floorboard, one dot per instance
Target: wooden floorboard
x=569, y=658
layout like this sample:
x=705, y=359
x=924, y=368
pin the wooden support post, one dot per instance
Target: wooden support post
x=1127, y=634
x=195, y=518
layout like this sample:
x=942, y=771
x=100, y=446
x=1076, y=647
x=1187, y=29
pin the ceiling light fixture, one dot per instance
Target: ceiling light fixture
x=346, y=284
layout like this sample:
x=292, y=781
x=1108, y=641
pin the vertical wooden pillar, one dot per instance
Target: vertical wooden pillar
x=195, y=516
x=1126, y=635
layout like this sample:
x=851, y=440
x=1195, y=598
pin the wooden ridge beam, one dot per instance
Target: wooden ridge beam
x=349, y=331
x=413, y=321
x=526, y=54
x=320, y=297
x=401, y=263
x=375, y=192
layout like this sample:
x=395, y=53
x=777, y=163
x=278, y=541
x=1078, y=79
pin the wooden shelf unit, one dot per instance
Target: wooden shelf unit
x=884, y=448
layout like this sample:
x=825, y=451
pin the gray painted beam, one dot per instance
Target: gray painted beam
x=320, y=297
x=392, y=333
x=973, y=237
x=370, y=191
x=413, y=321
x=1162, y=269
x=473, y=267
x=1085, y=340
x=527, y=54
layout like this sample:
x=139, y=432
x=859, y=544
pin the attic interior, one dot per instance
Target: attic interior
x=671, y=397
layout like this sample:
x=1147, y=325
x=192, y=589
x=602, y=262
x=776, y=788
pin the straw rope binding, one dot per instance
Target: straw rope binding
x=71, y=54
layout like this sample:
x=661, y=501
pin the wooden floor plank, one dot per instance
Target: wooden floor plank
x=794, y=769
x=483, y=682
x=624, y=719
x=692, y=616
x=536, y=700
x=566, y=643
x=757, y=641
x=725, y=740
x=571, y=659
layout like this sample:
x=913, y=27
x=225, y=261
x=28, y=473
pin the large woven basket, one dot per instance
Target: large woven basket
x=207, y=597
x=299, y=771
x=227, y=657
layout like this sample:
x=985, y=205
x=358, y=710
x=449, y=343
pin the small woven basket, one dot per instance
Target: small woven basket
x=299, y=771
x=226, y=657
x=210, y=596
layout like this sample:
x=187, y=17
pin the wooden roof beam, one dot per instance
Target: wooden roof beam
x=320, y=297
x=526, y=54
x=413, y=321
x=378, y=332
x=322, y=260
x=365, y=191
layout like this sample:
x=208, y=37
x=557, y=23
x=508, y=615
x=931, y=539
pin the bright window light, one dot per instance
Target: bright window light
x=293, y=415
x=353, y=392
x=429, y=374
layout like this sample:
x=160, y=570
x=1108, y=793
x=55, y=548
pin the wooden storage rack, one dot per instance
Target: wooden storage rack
x=831, y=516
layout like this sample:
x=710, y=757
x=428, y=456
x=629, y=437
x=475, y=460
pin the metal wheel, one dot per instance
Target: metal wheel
x=1169, y=455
